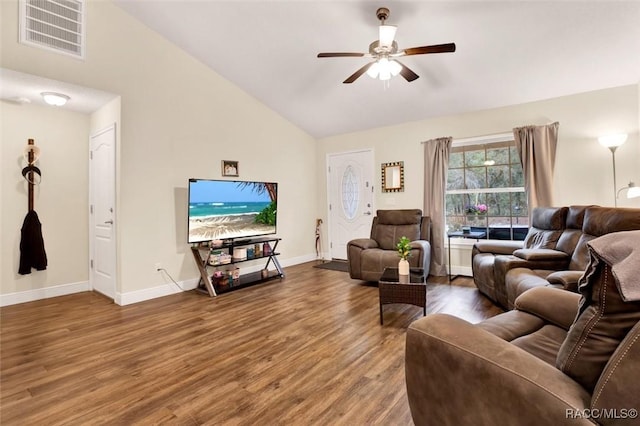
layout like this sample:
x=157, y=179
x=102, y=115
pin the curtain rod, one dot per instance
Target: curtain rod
x=495, y=137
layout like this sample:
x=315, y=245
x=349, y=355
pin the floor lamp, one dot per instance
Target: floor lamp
x=633, y=191
x=613, y=142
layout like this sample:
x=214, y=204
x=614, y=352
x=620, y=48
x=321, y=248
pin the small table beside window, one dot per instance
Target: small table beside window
x=461, y=234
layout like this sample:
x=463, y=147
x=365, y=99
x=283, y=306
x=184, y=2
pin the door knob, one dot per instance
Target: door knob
x=110, y=222
x=367, y=213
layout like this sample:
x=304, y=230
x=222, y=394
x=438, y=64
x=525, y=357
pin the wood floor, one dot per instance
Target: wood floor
x=305, y=350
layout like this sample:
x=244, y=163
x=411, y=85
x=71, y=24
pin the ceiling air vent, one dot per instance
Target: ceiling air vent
x=56, y=25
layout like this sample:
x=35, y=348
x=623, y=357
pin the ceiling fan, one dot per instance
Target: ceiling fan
x=385, y=52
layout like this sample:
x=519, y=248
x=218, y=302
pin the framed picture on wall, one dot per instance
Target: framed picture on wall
x=230, y=168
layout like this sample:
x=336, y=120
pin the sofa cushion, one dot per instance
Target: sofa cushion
x=609, y=307
x=619, y=387
x=553, y=305
x=599, y=221
x=512, y=324
x=393, y=224
x=547, y=224
x=570, y=236
x=544, y=343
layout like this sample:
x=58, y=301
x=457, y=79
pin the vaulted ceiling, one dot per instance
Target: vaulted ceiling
x=508, y=52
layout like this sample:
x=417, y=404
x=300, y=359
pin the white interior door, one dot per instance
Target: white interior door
x=102, y=276
x=350, y=195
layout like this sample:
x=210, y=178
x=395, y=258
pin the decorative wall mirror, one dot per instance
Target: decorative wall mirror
x=393, y=177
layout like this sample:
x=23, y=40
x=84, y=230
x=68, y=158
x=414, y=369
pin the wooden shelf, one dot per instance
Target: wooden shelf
x=206, y=285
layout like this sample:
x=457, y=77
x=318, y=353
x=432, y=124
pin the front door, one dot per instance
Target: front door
x=102, y=276
x=350, y=195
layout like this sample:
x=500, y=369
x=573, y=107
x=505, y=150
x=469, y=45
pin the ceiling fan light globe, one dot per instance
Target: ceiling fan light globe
x=395, y=68
x=373, y=70
x=386, y=35
x=384, y=67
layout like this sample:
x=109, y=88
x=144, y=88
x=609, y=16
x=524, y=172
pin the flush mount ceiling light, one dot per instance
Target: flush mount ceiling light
x=56, y=99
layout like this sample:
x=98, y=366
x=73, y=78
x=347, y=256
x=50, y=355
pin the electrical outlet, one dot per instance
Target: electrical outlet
x=158, y=266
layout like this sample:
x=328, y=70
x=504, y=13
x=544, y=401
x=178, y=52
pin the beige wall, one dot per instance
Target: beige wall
x=60, y=200
x=178, y=120
x=583, y=168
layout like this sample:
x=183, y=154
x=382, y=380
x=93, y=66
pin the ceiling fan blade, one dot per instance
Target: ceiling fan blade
x=408, y=74
x=436, y=48
x=340, y=55
x=353, y=77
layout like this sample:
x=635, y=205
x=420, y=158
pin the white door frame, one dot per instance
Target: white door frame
x=93, y=260
x=328, y=185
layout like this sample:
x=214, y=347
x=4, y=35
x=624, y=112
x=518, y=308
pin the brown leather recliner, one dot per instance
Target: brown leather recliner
x=367, y=257
x=547, y=224
x=594, y=222
x=559, y=358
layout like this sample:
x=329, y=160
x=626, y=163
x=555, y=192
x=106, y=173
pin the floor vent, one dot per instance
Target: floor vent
x=56, y=25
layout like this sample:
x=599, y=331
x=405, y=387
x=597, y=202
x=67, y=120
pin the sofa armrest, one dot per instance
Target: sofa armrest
x=568, y=280
x=542, y=254
x=497, y=247
x=363, y=243
x=459, y=374
x=559, y=307
x=354, y=255
x=504, y=264
x=422, y=249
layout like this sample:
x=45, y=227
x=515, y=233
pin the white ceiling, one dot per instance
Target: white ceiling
x=508, y=52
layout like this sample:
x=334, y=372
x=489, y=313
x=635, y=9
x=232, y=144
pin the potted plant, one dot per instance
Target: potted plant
x=404, y=251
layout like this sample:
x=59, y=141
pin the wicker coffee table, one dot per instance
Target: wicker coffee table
x=412, y=290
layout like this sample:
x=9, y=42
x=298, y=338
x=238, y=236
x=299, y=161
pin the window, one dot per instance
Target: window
x=485, y=188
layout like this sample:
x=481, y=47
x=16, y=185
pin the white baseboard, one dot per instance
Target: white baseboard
x=166, y=289
x=43, y=293
x=137, y=296
x=190, y=284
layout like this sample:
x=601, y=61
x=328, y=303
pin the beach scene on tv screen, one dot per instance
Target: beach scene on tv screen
x=220, y=210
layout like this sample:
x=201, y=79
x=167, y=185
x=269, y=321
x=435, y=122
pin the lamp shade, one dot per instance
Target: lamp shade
x=633, y=191
x=387, y=34
x=612, y=140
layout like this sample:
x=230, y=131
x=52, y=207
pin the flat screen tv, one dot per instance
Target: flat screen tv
x=231, y=210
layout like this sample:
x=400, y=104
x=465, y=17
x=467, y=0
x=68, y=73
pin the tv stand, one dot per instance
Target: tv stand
x=207, y=284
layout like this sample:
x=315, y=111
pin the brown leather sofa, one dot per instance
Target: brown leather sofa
x=559, y=358
x=553, y=253
x=367, y=257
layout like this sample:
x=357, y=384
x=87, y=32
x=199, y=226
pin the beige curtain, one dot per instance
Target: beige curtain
x=537, y=149
x=436, y=166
